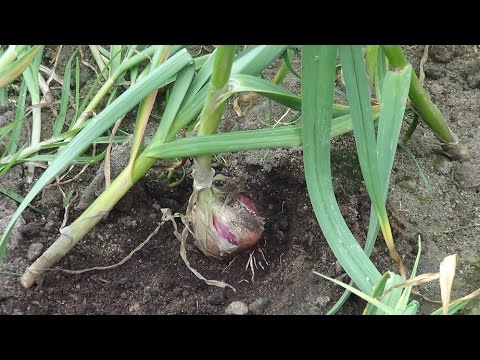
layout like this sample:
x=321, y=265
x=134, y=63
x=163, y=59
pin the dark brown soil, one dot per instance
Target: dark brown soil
x=156, y=281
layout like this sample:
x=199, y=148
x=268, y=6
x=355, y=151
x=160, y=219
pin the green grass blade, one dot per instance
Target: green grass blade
x=248, y=83
x=97, y=51
x=177, y=96
x=60, y=119
x=285, y=136
x=459, y=304
x=359, y=100
x=378, y=290
x=380, y=72
x=412, y=308
x=11, y=162
x=9, y=73
x=386, y=309
x=393, y=297
x=116, y=58
x=356, y=82
x=371, y=56
x=394, y=99
x=393, y=107
x=202, y=77
x=318, y=75
x=10, y=54
x=288, y=60
x=79, y=160
x=94, y=129
x=17, y=197
x=403, y=302
x=12, y=145
x=250, y=61
x=255, y=59
x=77, y=92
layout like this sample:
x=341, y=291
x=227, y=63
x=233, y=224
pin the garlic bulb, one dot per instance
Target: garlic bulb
x=223, y=226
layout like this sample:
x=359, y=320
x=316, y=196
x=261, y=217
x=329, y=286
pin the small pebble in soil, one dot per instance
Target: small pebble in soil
x=217, y=297
x=156, y=207
x=31, y=230
x=50, y=225
x=34, y=251
x=283, y=224
x=280, y=236
x=408, y=185
x=434, y=73
x=4, y=294
x=445, y=167
x=237, y=308
x=322, y=300
x=314, y=310
x=436, y=90
x=258, y=306
x=441, y=54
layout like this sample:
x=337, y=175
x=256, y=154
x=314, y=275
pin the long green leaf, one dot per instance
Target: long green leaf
x=247, y=83
x=359, y=100
x=396, y=87
x=60, y=119
x=255, y=59
x=19, y=119
x=285, y=136
x=179, y=91
x=17, y=197
x=318, y=75
x=94, y=129
x=201, y=78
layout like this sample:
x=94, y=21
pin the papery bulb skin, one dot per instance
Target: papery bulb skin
x=222, y=229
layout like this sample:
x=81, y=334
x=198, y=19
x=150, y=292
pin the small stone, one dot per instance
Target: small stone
x=441, y=54
x=133, y=224
x=4, y=294
x=217, y=297
x=408, y=185
x=434, y=73
x=445, y=167
x=466, y=174
x=314, y=310
x=237, y=308
x=152, y=216
x=34, y=251
x=126, y=221
x=280, y=236
x=31, y=230
x=49, y=225
x=135, y=307
x=473, y=80
x=436, y=89
x=156, y=207
x=258, y=306
x=283, y=224
x=322, y=300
